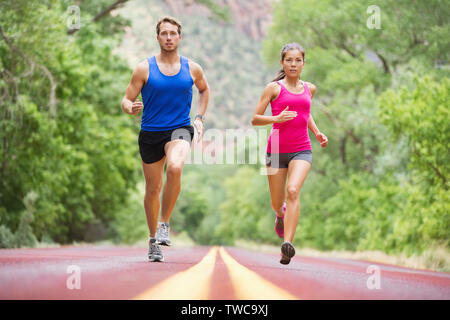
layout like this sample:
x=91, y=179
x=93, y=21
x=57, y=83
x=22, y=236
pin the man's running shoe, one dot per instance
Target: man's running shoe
x=162, y=235
x=287, y=252
x=279, y=223
x=154, y=251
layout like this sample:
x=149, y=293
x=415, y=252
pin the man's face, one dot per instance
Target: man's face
x=168, y=37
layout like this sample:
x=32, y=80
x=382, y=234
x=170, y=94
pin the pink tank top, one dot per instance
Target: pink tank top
x=292, y=135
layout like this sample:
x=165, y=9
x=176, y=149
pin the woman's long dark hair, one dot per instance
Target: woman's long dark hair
x=286, y=48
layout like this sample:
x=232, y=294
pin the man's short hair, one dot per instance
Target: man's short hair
x=169, y=20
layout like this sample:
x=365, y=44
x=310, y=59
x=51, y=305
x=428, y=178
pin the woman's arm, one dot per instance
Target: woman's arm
x=312, y=124
x=259, y=119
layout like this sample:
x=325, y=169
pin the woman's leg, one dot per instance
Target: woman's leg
x=277, y=185
x=297, y=172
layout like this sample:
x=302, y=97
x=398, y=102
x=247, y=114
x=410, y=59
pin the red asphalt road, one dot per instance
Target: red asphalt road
x=125, y=273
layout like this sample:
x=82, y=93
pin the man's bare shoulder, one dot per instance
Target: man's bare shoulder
x=140, y=72
x=195, y=67
x=142, y=67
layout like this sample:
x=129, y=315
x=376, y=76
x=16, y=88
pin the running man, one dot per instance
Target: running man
x=289, y=154
x=165, y=82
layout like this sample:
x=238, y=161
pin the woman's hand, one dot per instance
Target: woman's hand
x=285, y=115
x=322, y=139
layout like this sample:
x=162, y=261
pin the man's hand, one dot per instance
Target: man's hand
x=199, y=127
x=136, y=107
x=322, y=139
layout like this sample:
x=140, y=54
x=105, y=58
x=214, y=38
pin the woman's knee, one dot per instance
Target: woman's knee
x=276, y=205
x=293, y=193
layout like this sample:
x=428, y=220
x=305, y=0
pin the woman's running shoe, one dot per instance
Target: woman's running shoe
x=279, y=223
x=287, y=252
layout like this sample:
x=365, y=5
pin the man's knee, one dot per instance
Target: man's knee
x=153, y=190
x=175, y=169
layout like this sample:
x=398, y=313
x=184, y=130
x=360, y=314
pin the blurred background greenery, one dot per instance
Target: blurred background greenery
x=69, y=163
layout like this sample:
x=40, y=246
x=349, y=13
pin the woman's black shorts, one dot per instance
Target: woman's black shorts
x=151, y=143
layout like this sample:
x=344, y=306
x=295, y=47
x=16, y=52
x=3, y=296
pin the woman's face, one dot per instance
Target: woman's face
x=293, y=63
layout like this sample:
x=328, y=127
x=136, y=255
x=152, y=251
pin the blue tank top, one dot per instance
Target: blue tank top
x=167, y=99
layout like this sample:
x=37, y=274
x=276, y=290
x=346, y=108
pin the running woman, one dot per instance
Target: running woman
x=165, y=82
x=289, y=154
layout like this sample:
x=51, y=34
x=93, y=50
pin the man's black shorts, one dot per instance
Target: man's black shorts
x=151, y=143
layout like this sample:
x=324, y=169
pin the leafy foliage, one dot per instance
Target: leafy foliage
x=69, y=164
x=382, y=183
x=64, y=137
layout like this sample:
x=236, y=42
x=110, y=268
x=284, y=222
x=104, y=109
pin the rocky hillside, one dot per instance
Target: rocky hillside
x=230, y=53
x=250, y=16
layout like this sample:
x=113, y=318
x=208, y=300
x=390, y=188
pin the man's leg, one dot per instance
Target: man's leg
x=153, y=173
x=177, y=152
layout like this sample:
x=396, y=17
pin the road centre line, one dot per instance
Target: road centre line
x=191, y=284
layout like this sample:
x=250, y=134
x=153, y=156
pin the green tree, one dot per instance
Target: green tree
x=366, y=190
x=421, y=115
x=64, y=137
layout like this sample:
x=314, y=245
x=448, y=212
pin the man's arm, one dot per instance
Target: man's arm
x=129, y=105
x=203, y=89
